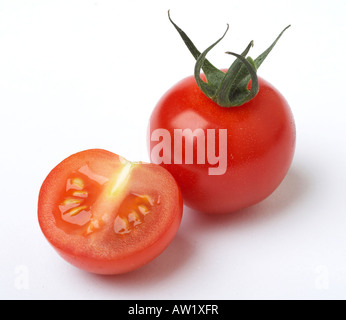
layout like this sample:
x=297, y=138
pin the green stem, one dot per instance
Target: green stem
x=228, y=89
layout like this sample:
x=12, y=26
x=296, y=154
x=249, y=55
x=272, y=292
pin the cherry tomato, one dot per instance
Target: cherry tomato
x=107, y=215
x=247, y=150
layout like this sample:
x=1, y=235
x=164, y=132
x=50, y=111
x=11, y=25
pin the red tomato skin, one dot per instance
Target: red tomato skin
x=98, y=258
x=261, y=139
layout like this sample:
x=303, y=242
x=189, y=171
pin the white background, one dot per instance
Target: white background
x=86, y=74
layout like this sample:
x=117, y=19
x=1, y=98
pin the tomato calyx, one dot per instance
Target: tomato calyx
x=231, y=88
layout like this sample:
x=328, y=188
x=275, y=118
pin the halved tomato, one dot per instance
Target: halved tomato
x=107, y=215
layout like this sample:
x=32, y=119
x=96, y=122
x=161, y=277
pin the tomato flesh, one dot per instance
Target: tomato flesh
x=107, y=215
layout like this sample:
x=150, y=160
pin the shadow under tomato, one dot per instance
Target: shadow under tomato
x=169, y=262
x=291, y=191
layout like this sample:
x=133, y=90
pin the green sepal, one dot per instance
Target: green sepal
x=238, y=95
x=213, y=74
x=261, y=57
x=243, y=76
x=228, y=89
x=210, y=87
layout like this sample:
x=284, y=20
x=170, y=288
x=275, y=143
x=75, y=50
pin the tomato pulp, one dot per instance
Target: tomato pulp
x=107, y=215
x=252, y=160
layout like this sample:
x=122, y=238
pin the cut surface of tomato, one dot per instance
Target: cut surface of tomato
x=107, y=215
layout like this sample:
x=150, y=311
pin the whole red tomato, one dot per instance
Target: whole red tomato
x=260, y=146
x=227, y=138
